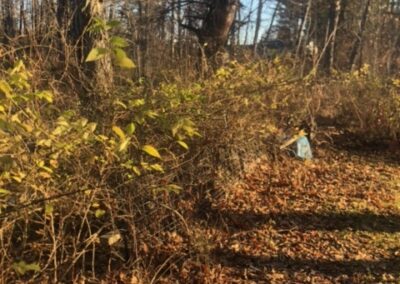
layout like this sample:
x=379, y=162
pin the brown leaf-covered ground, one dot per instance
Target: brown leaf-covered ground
x=333, y=220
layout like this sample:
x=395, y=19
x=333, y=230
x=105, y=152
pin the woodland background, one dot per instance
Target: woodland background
x=128, y=128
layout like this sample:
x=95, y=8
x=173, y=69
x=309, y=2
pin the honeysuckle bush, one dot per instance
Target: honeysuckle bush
x=61, y=176
x=77, y=195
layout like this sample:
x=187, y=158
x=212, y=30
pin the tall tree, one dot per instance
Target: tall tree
x=217, y=18
x=77, y=16
x=9, y=20
x=258, y=24
x=360, y=36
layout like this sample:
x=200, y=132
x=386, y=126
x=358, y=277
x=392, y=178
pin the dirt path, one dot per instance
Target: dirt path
x=334, y=220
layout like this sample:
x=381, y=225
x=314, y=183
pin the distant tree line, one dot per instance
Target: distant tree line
x=329, y=34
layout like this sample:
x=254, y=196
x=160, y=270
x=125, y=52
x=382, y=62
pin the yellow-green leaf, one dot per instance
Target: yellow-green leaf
x=183, y=144
x=126, y=63
x=130, y=129
x=170, y=188
x=114, y=238
x=48, y=209
x=99, y=213
x=92, y=126
x=150, y=150
x=5, y=88
x=136, y=170
x=96, y=54
x=117, y=41
x=151, y=114
x=45, y=95
x=119, y=132
x=137, y=102
x=122, y=60
x=22, y=267
x=4, y=191
x=157, y=167
x=124, y=145
x=121, y=104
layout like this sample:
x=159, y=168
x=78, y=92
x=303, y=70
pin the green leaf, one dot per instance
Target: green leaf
x=150, y=150
x=117, y=41
x=183, y=144
x=130, y=129
x=96, y=54
x=119, y=132
x=22, y=267
x=99, y=213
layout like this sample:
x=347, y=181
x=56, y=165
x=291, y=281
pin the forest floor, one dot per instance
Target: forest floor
x=335, y=219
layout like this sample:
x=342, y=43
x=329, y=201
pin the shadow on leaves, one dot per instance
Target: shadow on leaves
x=303, y=221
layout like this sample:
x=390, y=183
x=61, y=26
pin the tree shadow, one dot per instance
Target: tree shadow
x=378, y=150
x=304, y=221
x=331, y=268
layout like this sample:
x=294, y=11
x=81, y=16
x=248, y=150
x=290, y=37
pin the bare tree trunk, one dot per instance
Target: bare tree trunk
x=334, y=32
x=179, y=40
x=248, y=24
x=34, y=18
x=378, y=37
x=217, y=25
x=9, y=21
x=305, y=22
x=21, y=16
x=267, y=35
x=258, y=24
x=359, y=40
x=172, y=29
x=98, y=74
x=238, y=31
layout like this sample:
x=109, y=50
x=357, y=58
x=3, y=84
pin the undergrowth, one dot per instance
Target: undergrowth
x=81, y=199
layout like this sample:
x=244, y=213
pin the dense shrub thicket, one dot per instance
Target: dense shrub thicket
x=84, y=199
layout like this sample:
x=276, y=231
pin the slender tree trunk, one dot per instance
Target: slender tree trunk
x=9, y=21
x=305, y=22
x=179, y=40
x=217, y=25
x=274, y=14
x=334, y=33
x=238, y=31
x=360, y=36
x=172, y=29
x=21, y=16
x=249, y=23
x=98, y=74
x=258, y=24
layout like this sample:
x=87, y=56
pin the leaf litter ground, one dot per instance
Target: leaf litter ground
x=333, y=220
